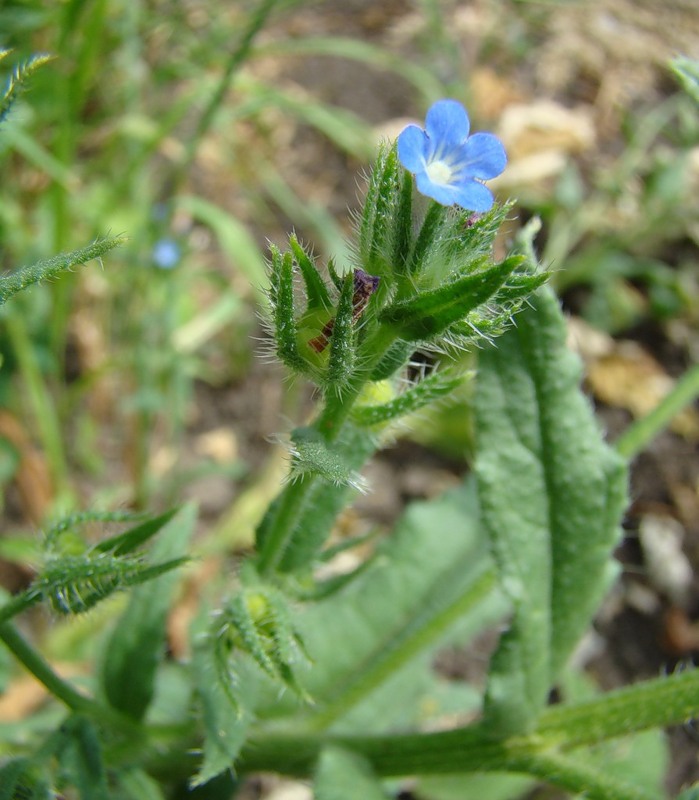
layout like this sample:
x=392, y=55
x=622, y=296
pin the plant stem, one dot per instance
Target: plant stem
x=42, y=671
x=329, y=423
x=641, y=432
x=35, y=663
x=649, y=704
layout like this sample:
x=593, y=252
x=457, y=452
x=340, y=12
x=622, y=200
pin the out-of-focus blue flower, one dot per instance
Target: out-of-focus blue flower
x=166, y=253
x=448, y=164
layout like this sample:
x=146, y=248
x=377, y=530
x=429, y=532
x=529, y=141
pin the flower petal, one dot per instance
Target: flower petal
x=412, y=147
x=444, y=194
x=473, y=196
x=446, y=124
x=484, y=155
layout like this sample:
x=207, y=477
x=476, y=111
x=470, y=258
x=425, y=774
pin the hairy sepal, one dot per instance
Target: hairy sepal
x=430, y=313
x=429, y=389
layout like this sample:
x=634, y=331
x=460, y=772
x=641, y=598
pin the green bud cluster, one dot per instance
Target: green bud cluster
x=421, y=280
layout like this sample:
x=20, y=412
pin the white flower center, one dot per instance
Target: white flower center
x=439, y=172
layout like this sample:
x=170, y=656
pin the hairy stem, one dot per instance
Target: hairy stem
x=334, y=414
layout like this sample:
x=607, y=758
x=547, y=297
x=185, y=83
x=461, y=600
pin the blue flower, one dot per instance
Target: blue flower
x=166, y=253
x=448, y=164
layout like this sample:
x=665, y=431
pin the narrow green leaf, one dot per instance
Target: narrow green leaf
x=344, y=775
x=552, y=494
x=376, y=232
x=18, y=80
x=226, y=722
x=395, y=357
x=282, y=297
x=73, y=521
x=438, y=384
x=75, y=584
x=435, y=218
x=135, y=784
x=53, y=267
x=316, y=291
x=403, y=225
x=431, y=312
x=128, y=541
x=687, y=72
x=342, y=351
x=136, y=645
x=80, y=758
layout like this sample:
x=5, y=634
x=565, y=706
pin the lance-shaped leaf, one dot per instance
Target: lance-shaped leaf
x=552, y=494
x=79, y=753
x=52, y=267
x=282, y=297
x=225, y=709
x=402, y=226
x=376, y=230
x=394, y=358
x=342, y=339
x=317, y=295
x=430, y=313
x=136, y=646
x=18, y=80
x=434, y=386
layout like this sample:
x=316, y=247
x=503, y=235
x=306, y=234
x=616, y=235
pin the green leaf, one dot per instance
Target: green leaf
x=438, y=384
x=342, y=352
x=344, y=775
x=52, y=267
x=75, y=584
x=431, y=577
x=317, y=295
x=395, y=357
x=80, y=757
x=376, y=225
x=18, y=80
x=687, y=72
x=128, y=541
x=226, y=720
x=137, y=643
x=432, y=312
x=282, y=297
x=135, y=784
x=552, y=494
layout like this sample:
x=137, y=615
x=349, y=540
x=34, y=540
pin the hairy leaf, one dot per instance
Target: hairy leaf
x=434, y=386
x=431, y=577
x=52, y=267
x=552, y=494
x=137, y=643
x=317, y=295
x=432, y=312
x=18, y=80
